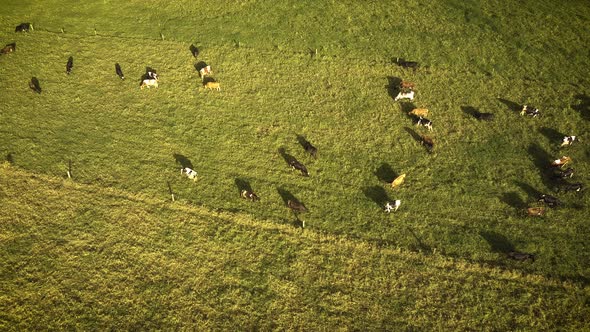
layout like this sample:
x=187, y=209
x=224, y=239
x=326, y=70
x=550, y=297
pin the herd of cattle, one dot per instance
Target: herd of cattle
x=405, y=91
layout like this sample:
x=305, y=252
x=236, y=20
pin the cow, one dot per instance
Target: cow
x=119, y=71
x=419, y=112
x=521, y=256
x=530, y=111
x=205, y=71
x=69, y=65
x=427, y=142
x=398, y=181
x=572, y=187
x=392, y=206
x=151, y=74
x=568, y=140
x=568, y=173
x=212, y=85
x=405, y=85
x=404, y=95
x=296, y=206
x=425, y=123
x=247, y=194
x=535, y=211
x=484, y=116
x=190, y=173
x=407, y=64
x=561, y=161
x=24, y=27
x=9, y=48
x=194, y=51
x=551, y=201
x=149, y=83
x=296, y=165
x=34, y=85
x=312, y=150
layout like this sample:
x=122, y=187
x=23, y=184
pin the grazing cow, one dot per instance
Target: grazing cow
x=312, y=150
x=189, y=172
x=151, y=74
x=205, y=71
x=149, y=83
x=119, y=71
x=568, y=173
x=521, y=256
x=392, y=206
x=484, y=116
x=561, y=161
x=404, y=95
x=425, y=123
x=9, y=48
x=23, y=27
x=530, y=111
x=69, y=65
x=407, y=64
x=572, y=187
x=427, y=142
x=551, y=201
x=212, y=85
x=34, y=85
x=299, y=166
x=247, y=194
x=296, y=206
x=405, y=85
x=398, y=181
x=194, y=51
x=419, y=112
x=536, y=211
x=568, y=140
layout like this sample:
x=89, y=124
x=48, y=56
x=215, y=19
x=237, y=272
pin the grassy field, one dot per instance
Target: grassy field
x=108, y=248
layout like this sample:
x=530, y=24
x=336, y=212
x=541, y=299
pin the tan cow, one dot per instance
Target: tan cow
x=535, y=211
x=398, y=181
x=561, y=161
x=423, y=112
x=406, y=85
x=212, y=85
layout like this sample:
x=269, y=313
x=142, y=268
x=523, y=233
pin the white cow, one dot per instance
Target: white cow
x=392, y=206
x=405, y=95
x=205, y=71
x=149, y=83
x=189, y=172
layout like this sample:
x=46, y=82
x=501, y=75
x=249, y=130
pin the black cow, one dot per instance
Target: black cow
x=9, y=48
x=568, y=173
x=521, y=256
x=484, y=116
x=299, y=166
x=296, y=206
x=23, y=27
x=573, y=187
x=34, y=85
x=69, y=65
x=551, y=201
x=407, y=64
x=247, y=194
x=312, y=150
x=119, y=71
x=194, y=51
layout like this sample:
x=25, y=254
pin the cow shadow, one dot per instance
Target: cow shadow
x=498, y=242
x=515, y=107
x=194, y=50
x=145, y=76
x=529, y=190
x=35, y=84
x=200, y=65
x=385, y=173
x=583, y=107
x=418, y=138
x=287, y=157
x=470, y=111
x=183, y=161
x=406, y=108
x=377, y=194
x=208, y=79
x=542, y=160
x=514, y=200
x=551, y=134
x=420, y=246
x=393, y=84
x=242, y=185
x=305, y=144
x=10, y=158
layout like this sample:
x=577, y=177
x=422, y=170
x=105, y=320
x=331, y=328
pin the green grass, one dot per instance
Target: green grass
x=463, y=204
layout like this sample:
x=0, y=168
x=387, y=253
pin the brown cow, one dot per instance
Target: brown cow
x=212, y=85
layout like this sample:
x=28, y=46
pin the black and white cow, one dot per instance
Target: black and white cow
x=23, y=27
x=521, y=256
x=530, y=111
x=119, y=71
x=568, y=173
x=405, y=95
x=248, y=194
x=392, y=206
x=296, y=165
x=572, y=187
x=425, y=123
x=69, y=65
x=9, y=48
x=551, y=201
x=190, y=173
x=568, y=140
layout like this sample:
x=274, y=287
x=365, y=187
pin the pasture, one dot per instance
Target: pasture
x=109, y=249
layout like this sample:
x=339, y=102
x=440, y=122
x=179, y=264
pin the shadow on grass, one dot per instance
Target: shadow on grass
x=583, y=106
x=242, y=185
x=307, y=146
x=514, y=200
x=377, y=194
x=200, y=65
x=470, y=111
x=421, y=246
x=183, y=161
x=542, y=160
x=393, y=86
x=385, y=173
x=552, y=134
x=406, y=108
x=287, y=196
x=287, y=157
x=530, y=191
x=515, y=107
x=498, y=242
x=418, y=138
